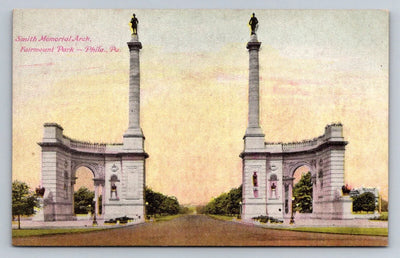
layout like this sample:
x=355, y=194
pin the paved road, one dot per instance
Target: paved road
x=199, y=230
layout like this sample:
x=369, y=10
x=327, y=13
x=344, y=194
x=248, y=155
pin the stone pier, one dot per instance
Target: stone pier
x=118, y=168
x=268, y=168
x=254, y=160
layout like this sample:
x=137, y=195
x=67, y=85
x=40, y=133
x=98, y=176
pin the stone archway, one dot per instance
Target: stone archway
x=324, y=156
x=293, y=166
x=302, y=171
x=289, y=169
x=96, y=165
x=62, y=156
x=96, y=170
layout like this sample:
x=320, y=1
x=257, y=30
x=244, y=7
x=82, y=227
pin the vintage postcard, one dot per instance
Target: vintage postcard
x=200, y=127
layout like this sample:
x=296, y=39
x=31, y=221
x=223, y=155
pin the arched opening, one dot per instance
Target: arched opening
x=84, y=178
x=87, y=195
x=302, y=191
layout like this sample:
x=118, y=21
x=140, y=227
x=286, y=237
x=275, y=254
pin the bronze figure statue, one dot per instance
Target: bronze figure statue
x=253, y=24
x=134, y=23
x=113, y=190
x=40, y=191
x=255, y=181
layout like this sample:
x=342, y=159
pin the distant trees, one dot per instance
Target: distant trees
x=200, y=209
x=159, y=204
x=24, y=201
x=364, y=202
x=302, y=192
x=185, y=210
x=384, y=205
x=224, y=204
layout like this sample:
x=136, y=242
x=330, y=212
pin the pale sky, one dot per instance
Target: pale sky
x=316, y=67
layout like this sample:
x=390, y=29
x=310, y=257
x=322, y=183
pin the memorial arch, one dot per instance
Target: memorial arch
x=118, y=168
x=273, y=164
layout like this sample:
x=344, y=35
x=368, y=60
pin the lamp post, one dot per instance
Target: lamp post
x=147, y=216
x=94, y=214
x=240, y=210
x=292, y=216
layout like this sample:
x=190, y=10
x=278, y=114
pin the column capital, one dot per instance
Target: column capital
x=251, y=45
x=98, y=181
x=136, y=45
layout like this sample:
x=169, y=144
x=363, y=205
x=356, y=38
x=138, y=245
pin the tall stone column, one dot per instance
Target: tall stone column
x=254, y=137
x=96, y=197
x=290, y=198
x=134, y=83
x=103, y=199
x=128, y=168
x=254, y=198
x=133, y=137
x=254, y=99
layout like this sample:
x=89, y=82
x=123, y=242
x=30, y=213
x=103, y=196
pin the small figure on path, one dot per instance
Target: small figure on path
x=253, y=24
x=134, y=22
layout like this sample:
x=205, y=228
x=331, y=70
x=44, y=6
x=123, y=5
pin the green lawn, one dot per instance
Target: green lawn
x=383, y=216
x=332, y=230
x=344, y=230
x=221, y=217
x=168, y=217
x=53, y=231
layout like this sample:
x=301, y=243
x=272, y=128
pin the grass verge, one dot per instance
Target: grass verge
x=168, y=217
x=53, y=231
x=343, y=230
x=221, y=217
x=384, y=216
x=331, y=230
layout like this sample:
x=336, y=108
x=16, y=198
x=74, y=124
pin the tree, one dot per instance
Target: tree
x=235, y=197
x=226, y=203
x=24, y=201
x=157, y=203
x=82, y=199
x=364, y=202
x=384, y=205
x=169, y=205
x=302, y=192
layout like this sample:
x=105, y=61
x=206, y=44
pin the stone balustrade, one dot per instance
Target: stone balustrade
x=332, y=132
x=87, y=146
x=54, y=134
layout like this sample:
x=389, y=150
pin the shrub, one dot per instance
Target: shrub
x=384, y=217
x=262, y=219
x=265, y=219
x=364, y=202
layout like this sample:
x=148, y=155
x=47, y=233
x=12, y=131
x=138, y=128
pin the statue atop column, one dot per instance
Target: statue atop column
x=134, y=22
x=253, y=24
